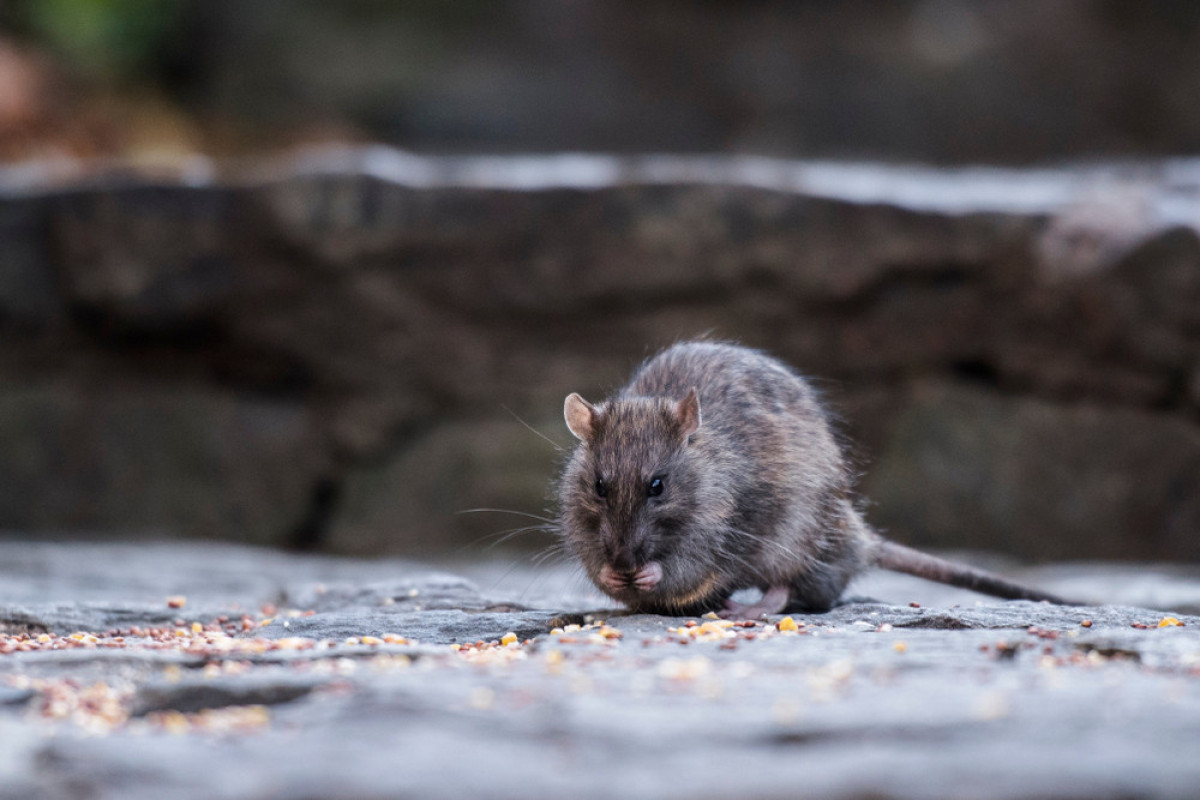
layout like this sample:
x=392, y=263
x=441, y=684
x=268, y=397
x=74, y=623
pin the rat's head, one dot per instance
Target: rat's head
x=629, y=500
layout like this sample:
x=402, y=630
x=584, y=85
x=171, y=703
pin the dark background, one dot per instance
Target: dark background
x=994, y=81
x=204, y=336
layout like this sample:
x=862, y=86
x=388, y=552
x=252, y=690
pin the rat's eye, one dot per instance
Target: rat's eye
x=655, y=487
x=601, y=488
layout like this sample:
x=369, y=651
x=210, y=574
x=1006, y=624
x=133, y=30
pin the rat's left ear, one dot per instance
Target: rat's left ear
x=688, y=412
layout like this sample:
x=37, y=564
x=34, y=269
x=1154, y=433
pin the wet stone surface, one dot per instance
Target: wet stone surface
x=147, y=671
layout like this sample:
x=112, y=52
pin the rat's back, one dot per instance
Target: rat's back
x=745, y=396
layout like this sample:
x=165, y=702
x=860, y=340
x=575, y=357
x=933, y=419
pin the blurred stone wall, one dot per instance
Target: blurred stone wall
x=325, y=352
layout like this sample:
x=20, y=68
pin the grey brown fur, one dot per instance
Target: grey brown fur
x=755, y=492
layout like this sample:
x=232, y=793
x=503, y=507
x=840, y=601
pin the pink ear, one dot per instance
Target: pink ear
x=580, y=416
x=688, y=411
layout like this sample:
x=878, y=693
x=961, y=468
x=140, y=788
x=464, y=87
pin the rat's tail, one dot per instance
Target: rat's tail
x=898, y=558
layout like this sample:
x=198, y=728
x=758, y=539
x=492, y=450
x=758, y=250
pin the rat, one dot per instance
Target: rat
x=716, y=469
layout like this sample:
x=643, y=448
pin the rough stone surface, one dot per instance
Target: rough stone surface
x=1024, y=471
x=321, y=352
x=164, y=459
x=947, y=697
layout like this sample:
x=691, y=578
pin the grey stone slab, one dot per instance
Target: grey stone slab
x=205, y=574
x=15, y=697
x=440, y=626
x=425, y=591
x=923, y=738
x=19, y=749
x=953, y=698
x=196, y=694
x=66, y=618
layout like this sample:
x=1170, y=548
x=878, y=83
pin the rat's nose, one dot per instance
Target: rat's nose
x=623, y=562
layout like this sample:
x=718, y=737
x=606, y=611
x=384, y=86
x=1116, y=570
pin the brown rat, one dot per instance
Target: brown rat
x=716, y=469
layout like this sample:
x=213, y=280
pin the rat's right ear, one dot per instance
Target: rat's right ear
x=580, y=416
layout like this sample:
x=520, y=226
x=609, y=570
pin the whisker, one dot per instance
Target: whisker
x=499, y=537
x=535, y=431
x=548, y=554
x=503, y=511
x=504, y=536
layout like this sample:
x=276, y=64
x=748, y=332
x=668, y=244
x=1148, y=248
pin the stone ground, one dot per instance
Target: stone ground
x=288, y=676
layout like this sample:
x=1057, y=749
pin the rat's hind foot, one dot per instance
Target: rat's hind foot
x=773, y=601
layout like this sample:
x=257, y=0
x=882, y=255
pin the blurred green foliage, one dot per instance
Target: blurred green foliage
x=105, y=39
